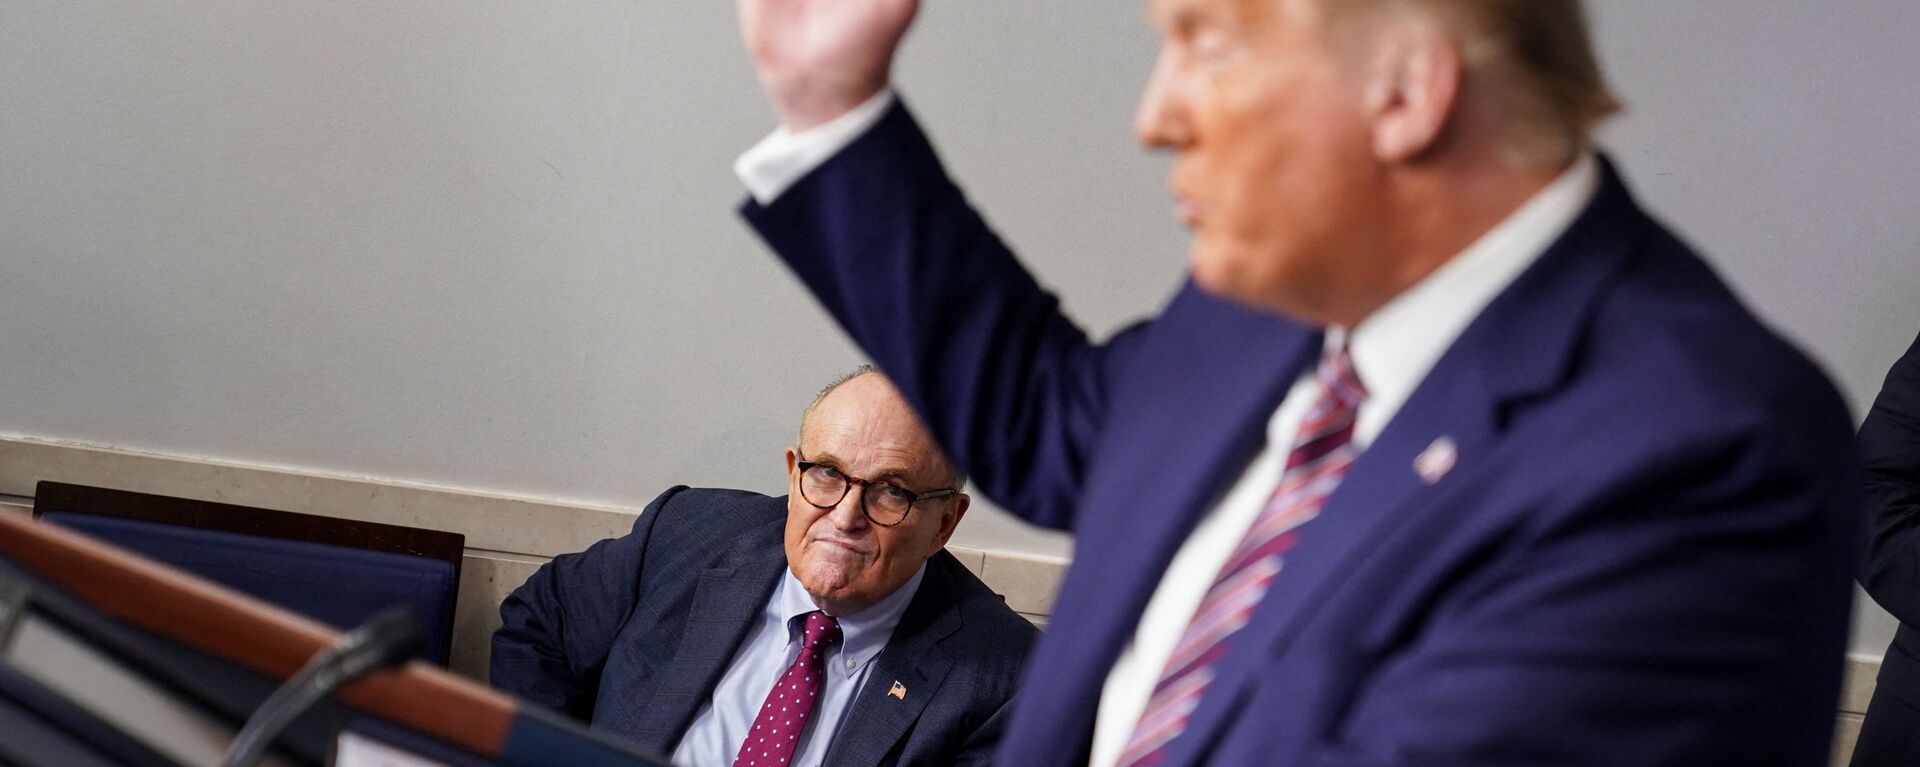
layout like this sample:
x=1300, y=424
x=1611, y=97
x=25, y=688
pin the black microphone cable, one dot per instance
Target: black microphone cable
x=389, y=638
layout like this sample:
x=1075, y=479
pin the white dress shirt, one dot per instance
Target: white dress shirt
x=784, y=157
x=1393, y=349
x=769, y=648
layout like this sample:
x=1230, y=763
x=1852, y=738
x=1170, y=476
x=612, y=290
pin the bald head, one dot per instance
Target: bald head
x=807, y=414
x=876, y=390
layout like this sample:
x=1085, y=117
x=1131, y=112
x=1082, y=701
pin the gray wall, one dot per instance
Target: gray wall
x=491, y=245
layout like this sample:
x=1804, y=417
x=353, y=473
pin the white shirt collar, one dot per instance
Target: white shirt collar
x=863, y=634
x=1395, y=347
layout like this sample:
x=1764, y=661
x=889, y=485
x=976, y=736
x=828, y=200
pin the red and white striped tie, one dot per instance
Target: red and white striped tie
x=1321, y=455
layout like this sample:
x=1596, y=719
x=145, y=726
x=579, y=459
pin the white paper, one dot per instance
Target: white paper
x=355, y=750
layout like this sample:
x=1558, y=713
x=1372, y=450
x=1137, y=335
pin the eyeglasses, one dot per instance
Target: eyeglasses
x=885, y=503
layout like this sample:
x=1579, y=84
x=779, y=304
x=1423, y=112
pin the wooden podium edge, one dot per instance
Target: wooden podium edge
x=254, y=634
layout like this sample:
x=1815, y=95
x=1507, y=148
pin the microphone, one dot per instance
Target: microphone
x=389, y=638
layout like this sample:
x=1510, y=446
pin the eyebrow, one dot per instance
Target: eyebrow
x=1179, y=17
x=895, y=475
x=820, y=457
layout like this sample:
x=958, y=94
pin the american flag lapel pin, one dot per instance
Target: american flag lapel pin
x=1438, y=459
x=898, y=690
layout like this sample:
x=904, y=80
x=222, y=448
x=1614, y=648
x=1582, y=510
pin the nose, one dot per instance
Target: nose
x=848, y=515
x=1160, y=122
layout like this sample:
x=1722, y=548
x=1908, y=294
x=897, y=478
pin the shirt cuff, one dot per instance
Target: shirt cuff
x=780, y=160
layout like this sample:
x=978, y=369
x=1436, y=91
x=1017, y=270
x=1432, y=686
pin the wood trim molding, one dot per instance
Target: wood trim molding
x=489, y=521
x=54, y=497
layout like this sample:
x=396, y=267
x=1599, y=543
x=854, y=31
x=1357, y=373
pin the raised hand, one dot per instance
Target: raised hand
x=818, y=59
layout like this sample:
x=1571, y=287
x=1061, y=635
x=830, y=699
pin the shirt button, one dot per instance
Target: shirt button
x=849, y=664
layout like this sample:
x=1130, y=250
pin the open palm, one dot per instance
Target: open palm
x=819, y=58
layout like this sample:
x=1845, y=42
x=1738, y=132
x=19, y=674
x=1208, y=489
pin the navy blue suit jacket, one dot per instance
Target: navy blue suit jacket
x=1890, y=441
x=633, y=635
x=1641, y=558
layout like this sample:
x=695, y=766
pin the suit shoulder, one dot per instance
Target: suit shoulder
x=702, y=517
x=1671, y=332
x=1677, y=394
x=988, y=625
x=718, y=506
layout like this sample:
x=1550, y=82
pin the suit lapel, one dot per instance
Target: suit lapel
x=913, y=658
x=1518, y=348
x=726, y=603
x=1179, y=436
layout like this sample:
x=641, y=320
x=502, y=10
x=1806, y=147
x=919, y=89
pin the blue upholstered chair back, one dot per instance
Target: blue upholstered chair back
x=328, y=579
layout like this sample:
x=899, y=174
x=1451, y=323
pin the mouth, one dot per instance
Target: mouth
x=1188, y=210
x=1185, y=205
x=840, y=544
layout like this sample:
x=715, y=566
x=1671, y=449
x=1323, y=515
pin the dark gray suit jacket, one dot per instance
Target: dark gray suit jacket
x=633, y=634
x=1890, y=441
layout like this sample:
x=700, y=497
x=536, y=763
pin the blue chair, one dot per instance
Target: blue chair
x=199, y=659
x=336, y=571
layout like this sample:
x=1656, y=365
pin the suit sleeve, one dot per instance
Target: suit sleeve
x=1588, y=642
x=1890, y=443
x=1013, y=390
x=558, y=628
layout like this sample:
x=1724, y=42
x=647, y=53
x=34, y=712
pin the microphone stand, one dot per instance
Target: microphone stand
x=389, y=638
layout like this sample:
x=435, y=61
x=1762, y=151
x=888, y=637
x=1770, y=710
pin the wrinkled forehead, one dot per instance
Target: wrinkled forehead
x=867, y=422
x=1180, y=15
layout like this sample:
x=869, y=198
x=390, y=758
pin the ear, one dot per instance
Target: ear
x=950, y=521
x=1412, y=91
x=793, y=459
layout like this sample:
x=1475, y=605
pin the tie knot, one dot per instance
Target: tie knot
x=821, y=630
x=1337, y=376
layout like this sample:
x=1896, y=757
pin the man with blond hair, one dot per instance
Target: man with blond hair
x=1447, y=453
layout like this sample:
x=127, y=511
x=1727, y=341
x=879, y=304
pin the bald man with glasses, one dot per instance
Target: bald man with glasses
x=828, y=627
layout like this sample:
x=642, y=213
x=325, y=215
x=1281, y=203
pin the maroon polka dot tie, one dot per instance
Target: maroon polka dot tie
x=776, y=731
